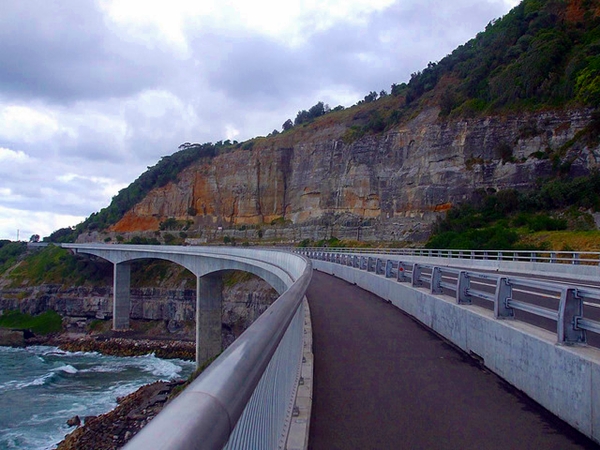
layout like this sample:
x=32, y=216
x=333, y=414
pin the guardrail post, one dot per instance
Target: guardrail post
x=389, y=265
x=370, y=263
x=576, y=259
x=416, y=275
x=436, y=280
x=503, y=294
x=378, y=265
x=364, y=262
x=570, y=309
x=402, y=277
x=462, y=288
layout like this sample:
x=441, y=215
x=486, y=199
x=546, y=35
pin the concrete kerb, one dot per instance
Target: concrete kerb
x=300, y=425
x=563, y=379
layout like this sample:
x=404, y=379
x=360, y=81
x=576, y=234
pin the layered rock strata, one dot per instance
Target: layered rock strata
x=242, y=304
x=387, y=187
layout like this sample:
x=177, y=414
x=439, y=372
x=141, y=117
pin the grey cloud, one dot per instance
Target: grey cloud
x=63, y=56
x=63, y=52
x=35, y=187
x=252, y=68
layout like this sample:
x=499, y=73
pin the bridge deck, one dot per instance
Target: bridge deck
x=382, y=381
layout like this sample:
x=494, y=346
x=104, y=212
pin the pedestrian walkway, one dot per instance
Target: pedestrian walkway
x=382, y=381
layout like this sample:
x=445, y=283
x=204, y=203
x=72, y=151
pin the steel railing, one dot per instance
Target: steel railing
x=546, y=256
x=466, y=285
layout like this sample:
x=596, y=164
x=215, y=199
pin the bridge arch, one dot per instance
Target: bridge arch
x=204, y=264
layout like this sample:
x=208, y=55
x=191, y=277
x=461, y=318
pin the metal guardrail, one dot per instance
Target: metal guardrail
x=571, y=325
x=243, y=394
x=552, y=257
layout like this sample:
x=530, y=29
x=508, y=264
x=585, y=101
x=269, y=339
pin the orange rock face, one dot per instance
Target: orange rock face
x=134, y=222
x=576, y=10
x=399, y=179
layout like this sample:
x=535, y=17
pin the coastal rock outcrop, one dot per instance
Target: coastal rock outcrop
x=12, y=338
x=243, y=302
x=114, y=429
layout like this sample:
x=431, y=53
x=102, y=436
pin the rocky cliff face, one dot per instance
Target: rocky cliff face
x=242, y=304
x=386, y=187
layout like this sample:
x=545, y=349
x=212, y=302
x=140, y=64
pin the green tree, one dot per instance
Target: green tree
x=287, y=125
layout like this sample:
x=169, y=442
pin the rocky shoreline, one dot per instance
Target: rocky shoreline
x=123, y=346
x=112, y=430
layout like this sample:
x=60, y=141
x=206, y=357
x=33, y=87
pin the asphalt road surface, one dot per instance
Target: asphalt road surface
x=382, y=381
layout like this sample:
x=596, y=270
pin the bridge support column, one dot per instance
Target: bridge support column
x=121, y=296
x=209, y=296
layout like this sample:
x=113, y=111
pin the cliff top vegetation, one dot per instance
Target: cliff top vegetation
x=525, y=220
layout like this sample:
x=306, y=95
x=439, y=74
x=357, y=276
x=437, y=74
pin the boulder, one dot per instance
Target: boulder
x=12, y=338
x=74, y=421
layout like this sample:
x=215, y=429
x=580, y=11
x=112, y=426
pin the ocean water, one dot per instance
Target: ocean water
x=42, y=387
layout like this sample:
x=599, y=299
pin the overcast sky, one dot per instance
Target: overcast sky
x=93, y=92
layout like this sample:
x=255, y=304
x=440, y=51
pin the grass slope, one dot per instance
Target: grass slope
x=47, y=322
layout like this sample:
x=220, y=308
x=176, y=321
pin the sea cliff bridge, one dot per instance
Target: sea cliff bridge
x=381, y=380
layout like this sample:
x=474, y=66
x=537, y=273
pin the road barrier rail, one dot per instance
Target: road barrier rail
x=466, y=285
x=547, y=256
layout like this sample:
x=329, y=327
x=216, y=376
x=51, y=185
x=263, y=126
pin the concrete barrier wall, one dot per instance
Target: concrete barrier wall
x=563, y=379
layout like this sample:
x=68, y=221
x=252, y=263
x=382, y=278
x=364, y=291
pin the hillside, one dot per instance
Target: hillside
x=514, y=105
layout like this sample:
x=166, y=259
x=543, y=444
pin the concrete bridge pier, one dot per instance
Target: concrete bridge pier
x=121, y=295
x=209, y=297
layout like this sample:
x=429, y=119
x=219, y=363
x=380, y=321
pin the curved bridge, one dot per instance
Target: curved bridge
x=246, y=397
x=248, y=393
x=206, y=263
